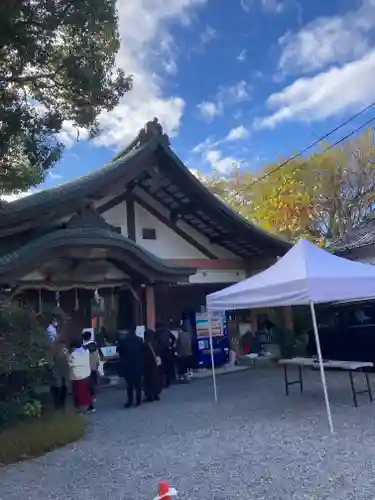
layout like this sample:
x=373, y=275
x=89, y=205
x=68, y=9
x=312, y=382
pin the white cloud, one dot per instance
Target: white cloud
x=70, y=135
x=210, y=152
x=328, y=40
x=146, y=47
x=339, y=89
x=16, y=196
x=209, y=110
x=220, y=163
x=247, y=5
x=208, y=35
x=234, y=94
x=170, y=66
x=237, y=134
x=226, y=96
x=204, y=145
x=242, y=56
x=199, y=175
x=54, y=176
x=273, y=6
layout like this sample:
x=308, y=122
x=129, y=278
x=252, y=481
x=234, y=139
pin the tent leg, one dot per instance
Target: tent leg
x=212, y=354
x=320, y=358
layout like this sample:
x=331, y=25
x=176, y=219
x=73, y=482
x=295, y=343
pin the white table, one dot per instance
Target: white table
x=251, y=359
x=348, y=366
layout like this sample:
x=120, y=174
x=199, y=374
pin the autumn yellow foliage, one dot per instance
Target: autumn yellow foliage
x=318, y=197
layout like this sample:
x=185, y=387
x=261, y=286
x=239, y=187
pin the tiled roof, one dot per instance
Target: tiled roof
x=87, y=237
x=222, y=224
x=76, y=189
x=361, y=236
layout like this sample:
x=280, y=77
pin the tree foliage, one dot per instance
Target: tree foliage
x=318, y=197
x=57, y=63
x=23, y=345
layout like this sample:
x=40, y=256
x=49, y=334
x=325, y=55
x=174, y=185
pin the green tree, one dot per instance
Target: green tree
x=24, y=347
x=57, y=63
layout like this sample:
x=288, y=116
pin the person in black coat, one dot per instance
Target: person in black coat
x=131, y=351
x=166, y=342
x=152, y=367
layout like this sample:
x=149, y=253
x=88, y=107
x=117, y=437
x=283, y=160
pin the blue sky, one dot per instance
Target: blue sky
x=235, y=82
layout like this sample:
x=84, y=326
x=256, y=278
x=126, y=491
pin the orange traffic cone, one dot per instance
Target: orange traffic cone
x=163, y=491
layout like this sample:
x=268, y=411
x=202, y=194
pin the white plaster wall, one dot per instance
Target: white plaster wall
x=219, y=251
x=168, y=244
x=116, y=216
x=218, y=276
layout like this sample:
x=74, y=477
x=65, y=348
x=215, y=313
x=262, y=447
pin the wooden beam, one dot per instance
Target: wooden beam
x=178, y=213
x=130, y=218
x=221, y=264
x=112, y=203
x=167, y=222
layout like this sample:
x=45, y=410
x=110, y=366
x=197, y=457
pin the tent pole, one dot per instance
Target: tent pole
x=320, y=358
x=209, y=314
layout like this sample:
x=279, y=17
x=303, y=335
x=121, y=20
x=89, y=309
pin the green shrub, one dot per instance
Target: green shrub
x=24, y=355
x=32, y=409
x=35, y=437
x=289, y=341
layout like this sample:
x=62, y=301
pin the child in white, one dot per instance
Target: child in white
x=79, y=363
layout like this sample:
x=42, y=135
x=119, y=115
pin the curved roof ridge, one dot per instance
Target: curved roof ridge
x=48, y=196
x=84, y=236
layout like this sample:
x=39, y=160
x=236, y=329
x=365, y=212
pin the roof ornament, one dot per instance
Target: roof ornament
x=151, y=130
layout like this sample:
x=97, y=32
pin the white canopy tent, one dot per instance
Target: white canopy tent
x=305, y=275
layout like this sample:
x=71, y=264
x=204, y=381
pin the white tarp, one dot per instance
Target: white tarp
x=305, y=274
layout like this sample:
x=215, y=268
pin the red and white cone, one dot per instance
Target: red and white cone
x=165, y=492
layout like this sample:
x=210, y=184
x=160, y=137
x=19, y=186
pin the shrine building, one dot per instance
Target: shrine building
x=143, y=233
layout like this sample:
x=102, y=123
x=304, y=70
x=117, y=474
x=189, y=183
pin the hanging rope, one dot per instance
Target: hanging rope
x=112, y=299
x=57, y=297
x=76, y=305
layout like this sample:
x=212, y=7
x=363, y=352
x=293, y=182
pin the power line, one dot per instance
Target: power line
x=315, y=143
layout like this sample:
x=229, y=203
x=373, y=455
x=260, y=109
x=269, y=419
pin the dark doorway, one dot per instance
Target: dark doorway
x=126, y=309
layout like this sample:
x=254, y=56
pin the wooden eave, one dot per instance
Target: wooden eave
x=121, y=249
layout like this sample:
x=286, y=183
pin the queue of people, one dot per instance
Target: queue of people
x=148, y=365
x=77, y=367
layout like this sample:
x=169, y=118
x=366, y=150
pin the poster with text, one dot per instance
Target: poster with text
x=216, y=322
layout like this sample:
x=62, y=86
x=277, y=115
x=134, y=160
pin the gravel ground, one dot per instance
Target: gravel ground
x=254, y=444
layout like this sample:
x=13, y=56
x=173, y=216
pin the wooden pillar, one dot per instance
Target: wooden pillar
x=150, y=307
x=288, y=317
x=138, y=306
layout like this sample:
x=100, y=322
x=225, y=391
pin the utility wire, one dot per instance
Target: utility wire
x=315, y=143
